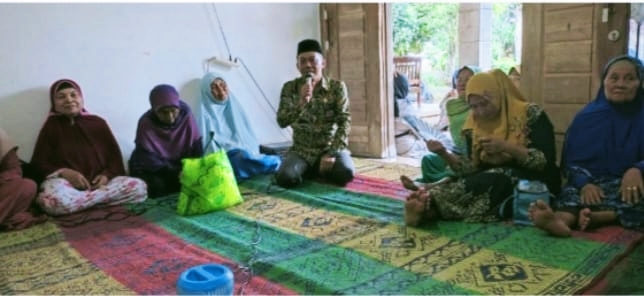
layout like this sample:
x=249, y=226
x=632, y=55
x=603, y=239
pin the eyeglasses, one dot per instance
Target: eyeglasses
x=314, y=59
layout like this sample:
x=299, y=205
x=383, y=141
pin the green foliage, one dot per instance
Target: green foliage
x=505, y=17
x=504, y=63
x=415, y=24
x=430, y=30
x=410, y=32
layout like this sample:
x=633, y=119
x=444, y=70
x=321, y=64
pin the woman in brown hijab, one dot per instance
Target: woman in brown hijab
x=16, y=193
x=79, y=158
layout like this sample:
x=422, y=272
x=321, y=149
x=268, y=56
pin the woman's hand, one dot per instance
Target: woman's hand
x=99, y=181
x=493, y=145
x=591, y=194
x=75, y=178
x=499, y=151
x=631, y=187
x=436, y=147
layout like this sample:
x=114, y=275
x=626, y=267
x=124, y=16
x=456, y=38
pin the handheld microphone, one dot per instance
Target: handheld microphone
x=309, y=81
x=309, y=77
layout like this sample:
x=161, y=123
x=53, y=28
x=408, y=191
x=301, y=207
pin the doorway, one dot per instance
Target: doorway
x=564, y=47
x=429, y=32
x=635, y=41
x=427, y=41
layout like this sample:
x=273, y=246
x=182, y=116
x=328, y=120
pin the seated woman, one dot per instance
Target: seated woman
x=401, y=90
x=166, y=134
x=408, y=142
x=443, y=122
x=506, y=139
x=602, y=158
x=223, y=123
x=404, y=102
x=515, y=75
x=16, y=193
x=79, y=157
x=433, y=167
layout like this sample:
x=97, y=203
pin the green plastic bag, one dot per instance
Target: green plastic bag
x=207, y=184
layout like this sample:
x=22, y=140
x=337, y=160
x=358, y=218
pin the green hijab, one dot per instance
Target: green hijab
x=457, y=111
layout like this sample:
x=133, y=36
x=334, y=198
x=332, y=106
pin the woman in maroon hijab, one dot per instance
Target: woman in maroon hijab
x=166, y=134
x=16, y=193
x=78, y=155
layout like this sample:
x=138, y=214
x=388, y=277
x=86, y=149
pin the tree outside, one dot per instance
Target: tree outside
x=430, y=30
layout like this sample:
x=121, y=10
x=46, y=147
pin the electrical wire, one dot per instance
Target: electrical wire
x=221, y=29
x=256, y=84
x=261, y=91
x=223, y=35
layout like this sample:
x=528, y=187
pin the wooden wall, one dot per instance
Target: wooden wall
x=355, y=39
x=565, y=47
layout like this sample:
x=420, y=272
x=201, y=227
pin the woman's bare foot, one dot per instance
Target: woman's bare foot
x=408, y=183
x=544, y=218
x=584, y=219
x=415, y=207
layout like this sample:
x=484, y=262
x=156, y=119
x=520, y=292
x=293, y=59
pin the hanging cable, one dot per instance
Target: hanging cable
x=237, y=59
x=256, y=84
x=221, y=29
x=260, y=90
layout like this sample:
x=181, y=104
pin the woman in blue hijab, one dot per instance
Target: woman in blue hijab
x=224, y=125
x=603, y=157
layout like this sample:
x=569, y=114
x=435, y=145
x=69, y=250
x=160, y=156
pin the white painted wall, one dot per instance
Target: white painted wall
x=117, y=52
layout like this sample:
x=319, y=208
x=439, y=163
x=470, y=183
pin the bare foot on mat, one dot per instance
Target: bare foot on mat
x=544, y=218
x=584, y=219
x=408, y=183
x=415, y=207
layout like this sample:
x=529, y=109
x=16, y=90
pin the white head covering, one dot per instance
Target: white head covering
x=226, y=119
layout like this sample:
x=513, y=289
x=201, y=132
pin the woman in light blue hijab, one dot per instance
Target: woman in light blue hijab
x=224, y=125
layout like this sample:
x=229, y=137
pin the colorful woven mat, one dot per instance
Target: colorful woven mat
x=316, y=239
x=38, y=260
x=383, y=170
x=321, y=239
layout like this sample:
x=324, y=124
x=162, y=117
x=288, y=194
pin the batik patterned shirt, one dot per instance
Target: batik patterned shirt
x=321, y=126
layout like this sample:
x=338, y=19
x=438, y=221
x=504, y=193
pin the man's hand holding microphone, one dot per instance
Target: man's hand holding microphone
x=306, y=92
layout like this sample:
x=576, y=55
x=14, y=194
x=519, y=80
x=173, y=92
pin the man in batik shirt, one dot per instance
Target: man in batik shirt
x=317, y=109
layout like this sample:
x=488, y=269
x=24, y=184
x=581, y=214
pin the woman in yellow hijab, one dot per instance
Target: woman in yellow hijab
x=507, y=138
x=515, y=75
x=454, y=110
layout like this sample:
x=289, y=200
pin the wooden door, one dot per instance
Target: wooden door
x=565, y=47
x=355, y=40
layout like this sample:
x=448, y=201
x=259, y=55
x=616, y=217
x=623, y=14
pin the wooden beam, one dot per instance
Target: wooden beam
x=618, y=19
x=532, y=52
